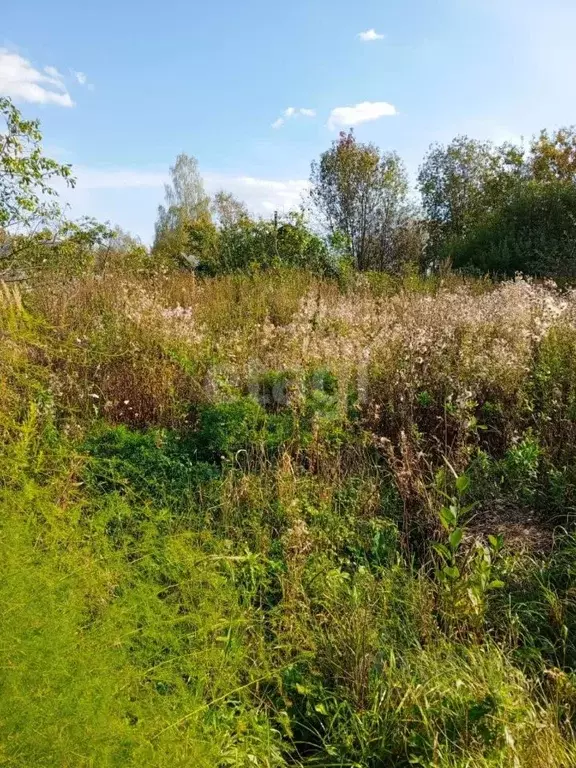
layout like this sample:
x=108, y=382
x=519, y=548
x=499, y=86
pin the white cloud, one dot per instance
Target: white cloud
x=21, y=81
x=80, y=77
x=130, y=196
x=290, y=112
x=360, y=113
x=255, y=190
x=261, y=195
x=370, y=35
x=117, y=178
x=53, y=72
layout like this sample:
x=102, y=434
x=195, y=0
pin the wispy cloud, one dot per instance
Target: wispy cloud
x=291, y=112
x=370, y=35
x=53, y=72
x=21, y=81
x=261, y=194
x=258, y=193
x=130, y=196
x=88, y=178
x=360, y=113
x=82, y=79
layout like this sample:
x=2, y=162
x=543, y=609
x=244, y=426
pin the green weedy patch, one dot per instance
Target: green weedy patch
x=313, y=565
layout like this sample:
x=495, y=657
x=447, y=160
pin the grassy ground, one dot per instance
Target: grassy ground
x=276, y=521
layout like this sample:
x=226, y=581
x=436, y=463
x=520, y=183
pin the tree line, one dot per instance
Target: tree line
x=479, y=207
x=482, y=208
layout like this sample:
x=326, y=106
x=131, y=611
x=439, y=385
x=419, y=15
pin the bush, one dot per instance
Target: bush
x=533, y=233
x=251, y=245
x=240, y=426
x=153, y=465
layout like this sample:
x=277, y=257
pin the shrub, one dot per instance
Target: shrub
x=241, y=426
x=248, y=245
x=155, y=465
x=533, y=233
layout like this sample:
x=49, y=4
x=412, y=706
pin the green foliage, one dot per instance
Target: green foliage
x=460, y=184
x=383, y=690
x=537, y=613
x=488, y=210
x=248, y=245
x=516, y=478
x=186, y=203
x=321, y=572
x=532, y=233
x=361, y=197
x=153, y=466
x=464, y=577
x=502, y=210
x=25, y=172
x=123, y=649
x=241, y=428
x=72, y=248
x=552, y=156
x=220, y=237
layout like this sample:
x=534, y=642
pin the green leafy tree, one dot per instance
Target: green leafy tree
x=500, y=210
x=78, y=247
x=25, y=172
x=186, y=202
x=553, y=156
x=248, y=245
x=228, y=210
x=533, y=233
x=203, y=244
x=361, y=193
x=27, y=199
x=461, y=183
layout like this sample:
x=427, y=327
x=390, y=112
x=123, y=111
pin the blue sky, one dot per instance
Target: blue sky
x=122, y=87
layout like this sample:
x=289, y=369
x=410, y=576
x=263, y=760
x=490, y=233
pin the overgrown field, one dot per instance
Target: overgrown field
x=279, y=521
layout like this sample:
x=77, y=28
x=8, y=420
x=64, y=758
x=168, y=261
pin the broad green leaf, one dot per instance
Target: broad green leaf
x=496, y=542
x=448, y=517
x=441, y=549
x=455, y=538
x=462, y=483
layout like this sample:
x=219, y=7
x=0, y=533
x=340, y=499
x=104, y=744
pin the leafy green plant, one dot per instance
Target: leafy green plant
x=194, y=575
x=465, y=579
x=153, y=465
x=241, y=428
x=25, y=171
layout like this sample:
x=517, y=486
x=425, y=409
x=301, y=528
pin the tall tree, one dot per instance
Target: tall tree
x=463, y=182
x=27, y=199
x=553, y=156
x=186, y=202
x=360, y=193
x=533, y=233
x=524, y=212
x=25, y=173
x=228, y=210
